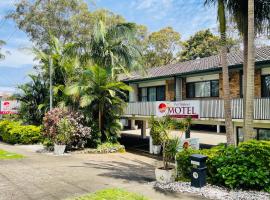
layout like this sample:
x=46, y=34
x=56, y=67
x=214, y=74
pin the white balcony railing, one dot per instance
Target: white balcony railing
x=213, y=108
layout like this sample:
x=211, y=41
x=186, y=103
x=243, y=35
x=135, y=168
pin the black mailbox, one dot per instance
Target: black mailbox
x=198, y=174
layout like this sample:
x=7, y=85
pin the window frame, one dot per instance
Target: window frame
x=194, y=89
x=147, y=92
x=263, y=85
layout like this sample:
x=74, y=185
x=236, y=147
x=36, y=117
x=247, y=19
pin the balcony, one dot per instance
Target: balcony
x=210, y=109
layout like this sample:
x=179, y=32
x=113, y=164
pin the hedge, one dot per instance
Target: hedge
x=243, y=167
x=15, y=133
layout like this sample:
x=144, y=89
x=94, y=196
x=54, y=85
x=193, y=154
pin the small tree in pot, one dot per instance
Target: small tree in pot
x=166, y=173
x=63, y=136
x=155, y=135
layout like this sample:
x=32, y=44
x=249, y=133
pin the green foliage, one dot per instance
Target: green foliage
x=101, y=97
x=4, y=155
x=154, y=132
x=161, y=47
x=34, y=100
x=112, y=194
x=109, y=147
x=202, y=44
x=64, y=130
x=66, y=126
x=245, y=166
x=16, y=133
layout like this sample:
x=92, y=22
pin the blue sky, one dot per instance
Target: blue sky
x=185, y=16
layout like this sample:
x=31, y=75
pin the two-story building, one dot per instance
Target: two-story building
x=201, y=80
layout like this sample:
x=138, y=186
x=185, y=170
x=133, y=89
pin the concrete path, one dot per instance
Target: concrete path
x=205, y=137
x=48, y=177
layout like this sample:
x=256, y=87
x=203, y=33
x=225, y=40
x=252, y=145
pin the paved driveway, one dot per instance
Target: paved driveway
x=48, y=177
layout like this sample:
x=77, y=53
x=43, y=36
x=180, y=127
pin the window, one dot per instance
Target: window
x=143, y=94
x=266, y=86
x=152, y=93
x=203, y=89
x=215, y=88
x=261, y=134
x=264, y=134
x=161, y=93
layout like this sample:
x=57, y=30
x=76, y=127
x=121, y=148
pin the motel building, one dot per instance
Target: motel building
x=194, y=88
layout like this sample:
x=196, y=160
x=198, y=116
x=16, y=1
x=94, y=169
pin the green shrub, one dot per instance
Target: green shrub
x=16, y=133
x=246, y=166
x=108, y=147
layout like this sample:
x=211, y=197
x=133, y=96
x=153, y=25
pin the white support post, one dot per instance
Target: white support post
x=143, y=129
x=218, y=128
x=133, y=126
x=150, y=145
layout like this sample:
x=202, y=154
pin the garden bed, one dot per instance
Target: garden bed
x=104, y=148
x=213, y=192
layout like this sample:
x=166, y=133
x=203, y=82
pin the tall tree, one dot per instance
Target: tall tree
x=239, y=13
x=248, y=123
x=34, y=99
x=161, y=47
x=113, y=47
x=201, y=44
x=39, y=19
x=101, y=94
x=225, y=71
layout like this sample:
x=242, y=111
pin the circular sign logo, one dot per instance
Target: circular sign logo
x=195, y=175
x=186, y=145
x=162, y=107
x=6, y=103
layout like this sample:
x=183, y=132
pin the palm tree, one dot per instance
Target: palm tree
x=114, y=47
x=34, y=99
x=239, y=12
x=97, y=91
x=225, y=70
x=59, y=67
x=248, y=123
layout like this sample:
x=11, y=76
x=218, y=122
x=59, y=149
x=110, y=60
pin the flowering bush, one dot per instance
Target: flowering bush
x=79, y=134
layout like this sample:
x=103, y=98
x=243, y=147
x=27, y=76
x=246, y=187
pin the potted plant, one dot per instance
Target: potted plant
x=166, y=173
x=62, y=138
x=156, y=137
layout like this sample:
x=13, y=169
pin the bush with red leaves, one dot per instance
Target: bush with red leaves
x=79, y=136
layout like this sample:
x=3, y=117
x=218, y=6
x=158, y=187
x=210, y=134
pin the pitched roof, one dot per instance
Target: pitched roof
x=198, y=65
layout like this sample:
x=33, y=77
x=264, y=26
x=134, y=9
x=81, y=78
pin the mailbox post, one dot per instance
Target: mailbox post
x=198, y=174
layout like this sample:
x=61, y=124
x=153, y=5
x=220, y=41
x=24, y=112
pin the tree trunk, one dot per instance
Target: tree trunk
x=225, y=74
x=244, y=87
x=100, y=118
x=226, y=96
x=249, y=101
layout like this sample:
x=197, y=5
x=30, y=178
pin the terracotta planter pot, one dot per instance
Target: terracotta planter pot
x=165, y=176
x=59, y=149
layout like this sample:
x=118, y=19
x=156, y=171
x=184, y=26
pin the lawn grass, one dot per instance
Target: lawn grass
x=112, y=194
x=4, y=155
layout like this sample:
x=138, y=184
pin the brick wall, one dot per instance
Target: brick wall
x=235, y=78
x=170, y=87
x=258, y=83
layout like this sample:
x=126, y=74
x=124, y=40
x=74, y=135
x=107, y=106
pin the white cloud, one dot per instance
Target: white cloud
x=17, y=58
